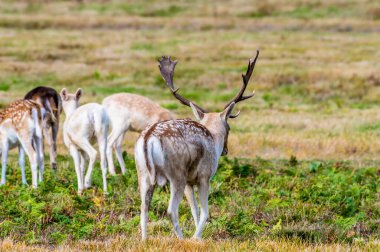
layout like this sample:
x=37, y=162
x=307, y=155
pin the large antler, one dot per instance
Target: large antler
x=167, y=67
x=240, y=96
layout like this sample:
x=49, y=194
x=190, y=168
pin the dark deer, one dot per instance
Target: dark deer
x=50, y=100
x=184, y=152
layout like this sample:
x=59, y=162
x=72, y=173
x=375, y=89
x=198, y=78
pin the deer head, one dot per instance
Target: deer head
x=216, y=123
x=70, y=102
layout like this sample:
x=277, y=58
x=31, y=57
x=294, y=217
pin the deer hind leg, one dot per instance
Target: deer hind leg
x=112, y=142
x=21, y=161
x=102, y=143
x=52, y=140
x=203, y=191
x=39, y=148
x=31, y=152
x=176, y=194
x=82, y=162
x=54, y=124
x=119, y=152
x=85, y=145
x=47, y=135
x=146, y=194
x=76, y=158
x=190, y=196
x=4, y=156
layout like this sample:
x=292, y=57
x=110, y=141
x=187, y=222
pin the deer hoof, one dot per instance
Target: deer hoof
x=54, y=167
x=87, y=184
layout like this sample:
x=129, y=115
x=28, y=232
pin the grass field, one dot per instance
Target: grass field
x=303, y=169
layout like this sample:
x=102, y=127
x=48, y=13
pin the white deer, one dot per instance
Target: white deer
x=83, y=125
x=129, y=112
x=185, y=153
x=21, y=125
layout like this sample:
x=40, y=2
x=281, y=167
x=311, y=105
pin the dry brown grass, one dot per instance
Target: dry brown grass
x=122, y=243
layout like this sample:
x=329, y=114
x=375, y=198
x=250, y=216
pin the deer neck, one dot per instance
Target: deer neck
x=219, y=138
x=69, y=110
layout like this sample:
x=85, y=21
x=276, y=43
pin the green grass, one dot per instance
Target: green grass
x=369, y=127
x=310, y=11
x=135, y=9
x=15, y=82
x=314, y=201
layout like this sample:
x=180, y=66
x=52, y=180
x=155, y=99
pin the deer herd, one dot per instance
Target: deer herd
x=183, y=152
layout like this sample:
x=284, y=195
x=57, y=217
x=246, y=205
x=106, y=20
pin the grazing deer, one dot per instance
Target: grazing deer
x=50, y=100
x=184, y=152
x=21, y=126
x=129, y=112
x=83, y=125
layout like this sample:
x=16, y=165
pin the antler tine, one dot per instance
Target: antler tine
x=167, y=66
x=236, y=115
x=246, y=77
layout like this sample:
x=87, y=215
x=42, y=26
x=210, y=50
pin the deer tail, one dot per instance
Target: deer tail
x=50, y=110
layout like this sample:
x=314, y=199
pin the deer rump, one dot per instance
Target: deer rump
x=48, y=98
x=178, y=155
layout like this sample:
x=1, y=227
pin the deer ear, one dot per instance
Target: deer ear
x=227, y=111
x=64, y=94
x=78, y=94
x=198, y=114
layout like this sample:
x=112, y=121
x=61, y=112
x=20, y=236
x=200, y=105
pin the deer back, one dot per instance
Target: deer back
x=137, y=111
x=48, y=98
x=20, y=110
x=178, y=149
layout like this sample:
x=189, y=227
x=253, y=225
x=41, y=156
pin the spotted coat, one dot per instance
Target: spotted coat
x=17, y=110
x=185, y=141
x=21, y=126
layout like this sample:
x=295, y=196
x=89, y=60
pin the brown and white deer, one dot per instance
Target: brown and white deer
x=184, y=152
x=129, y=112
x=21, y=126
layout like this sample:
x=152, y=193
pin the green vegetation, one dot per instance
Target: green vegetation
x=312, y=201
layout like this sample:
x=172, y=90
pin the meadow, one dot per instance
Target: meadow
x=303, y=167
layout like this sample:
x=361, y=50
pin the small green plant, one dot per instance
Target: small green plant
x=293, y=160
x=4, y=87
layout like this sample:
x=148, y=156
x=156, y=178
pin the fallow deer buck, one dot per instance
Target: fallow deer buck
x=184, y=152
x=129, y=112
x=84, y=125
x=50, y=100
x=21, y=126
